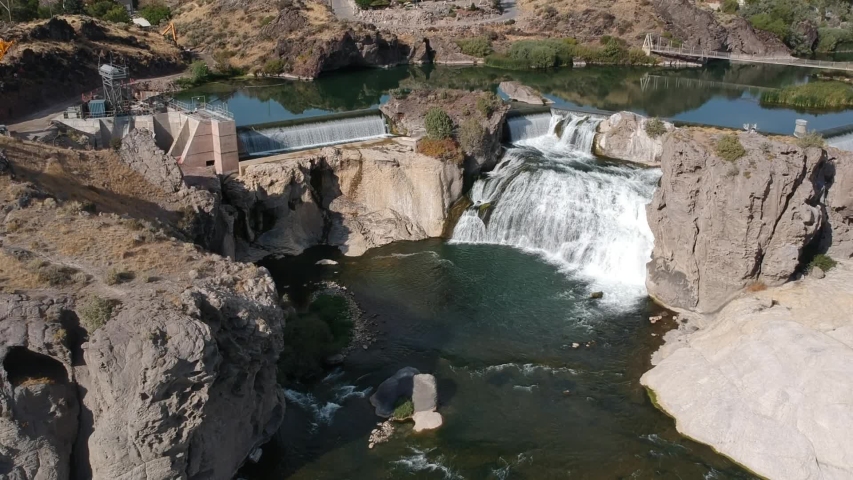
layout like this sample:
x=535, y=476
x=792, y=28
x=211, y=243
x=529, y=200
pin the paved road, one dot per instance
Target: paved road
x=345, y=10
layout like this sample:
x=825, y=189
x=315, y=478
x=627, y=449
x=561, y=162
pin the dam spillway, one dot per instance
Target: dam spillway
x=275, y=139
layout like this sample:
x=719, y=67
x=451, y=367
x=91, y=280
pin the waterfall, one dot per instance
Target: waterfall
x=524, y=127
x=315, y=134
x=550, y=196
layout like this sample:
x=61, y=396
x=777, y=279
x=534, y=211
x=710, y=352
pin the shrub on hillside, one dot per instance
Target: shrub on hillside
x=471, y=135
x=655, y=127
x=811, y=139
x=438, y=123
x=488, y=103
x=476, y=47
x=729, y=148
x=155, y=13
x=730, y=6
x=108, y=10
x=96, y=313
x=445, y=149
x=273, y=67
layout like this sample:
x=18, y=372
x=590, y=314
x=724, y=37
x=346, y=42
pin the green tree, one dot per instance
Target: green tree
x=156, y=13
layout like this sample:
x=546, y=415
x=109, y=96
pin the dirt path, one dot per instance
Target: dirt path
x=345, y=10
x=39, y=121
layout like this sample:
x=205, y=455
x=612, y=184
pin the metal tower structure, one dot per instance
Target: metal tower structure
x=116, y=86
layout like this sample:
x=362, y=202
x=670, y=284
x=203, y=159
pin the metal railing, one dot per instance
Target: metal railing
x=192, y=107
x=659, y=46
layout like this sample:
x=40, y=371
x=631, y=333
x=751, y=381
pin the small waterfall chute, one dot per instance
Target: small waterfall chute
x=524, y=127
x=309, y=135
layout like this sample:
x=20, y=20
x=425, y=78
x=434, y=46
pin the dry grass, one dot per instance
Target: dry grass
x=36, y=381
x=754, y=287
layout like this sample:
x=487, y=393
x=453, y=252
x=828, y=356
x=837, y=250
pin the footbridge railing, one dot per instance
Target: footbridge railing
x=665, y=47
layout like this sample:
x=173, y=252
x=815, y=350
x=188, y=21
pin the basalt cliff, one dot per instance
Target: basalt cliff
x=127, y=351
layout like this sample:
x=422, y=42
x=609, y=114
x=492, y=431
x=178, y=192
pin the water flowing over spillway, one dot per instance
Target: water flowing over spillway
x=529, y=126
x=308, y=135
x=549, y=195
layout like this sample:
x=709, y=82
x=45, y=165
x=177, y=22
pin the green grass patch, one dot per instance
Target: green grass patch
x=404, y=408
x=820, y=94
x=95, y=313
x=823, y=262
x=655, y=127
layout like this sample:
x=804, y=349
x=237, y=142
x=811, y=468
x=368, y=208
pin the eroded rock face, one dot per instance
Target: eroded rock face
x=720, y=226
x=767, y=383
x=38, y=397
x=349, y=48
x=838, y=232
x=189, y=391
x=140, y=153
x=623, y=136
x=700, y=29
x=352, y=199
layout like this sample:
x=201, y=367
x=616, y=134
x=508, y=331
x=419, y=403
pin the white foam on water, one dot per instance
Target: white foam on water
x=550, y=196
x=343, y=392
x=526, y=388
x=322, y=413
x=419, y=461
x=525, y=369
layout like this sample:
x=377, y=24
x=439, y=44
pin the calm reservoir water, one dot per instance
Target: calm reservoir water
x=722, y=94
x=495, y=313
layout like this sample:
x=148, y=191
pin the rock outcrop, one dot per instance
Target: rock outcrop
x=398, y=385
x=187, y=392
x=354, y=199
x=624, y=136
x=699, y=28
x=838, y=231
x=140, y=153
x=407, y=115
x=767, y=383
x=38, y=396
x=346, y=49
x=522, y=93
x=137, y=353
x=720, y=226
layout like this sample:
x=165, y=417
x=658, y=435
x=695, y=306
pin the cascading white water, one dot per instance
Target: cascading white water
x=525, y=127
x=549, y=195
x=308, y=135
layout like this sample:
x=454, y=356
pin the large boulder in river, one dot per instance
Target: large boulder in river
x=768, y=382
x=401, y=384
x=721, y=225
x=424, y=393
x=522, y=93
x=624, y=136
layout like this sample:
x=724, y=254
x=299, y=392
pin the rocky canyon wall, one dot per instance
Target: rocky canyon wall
x=721, y=225
x=354, y=199
x=126, y=352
